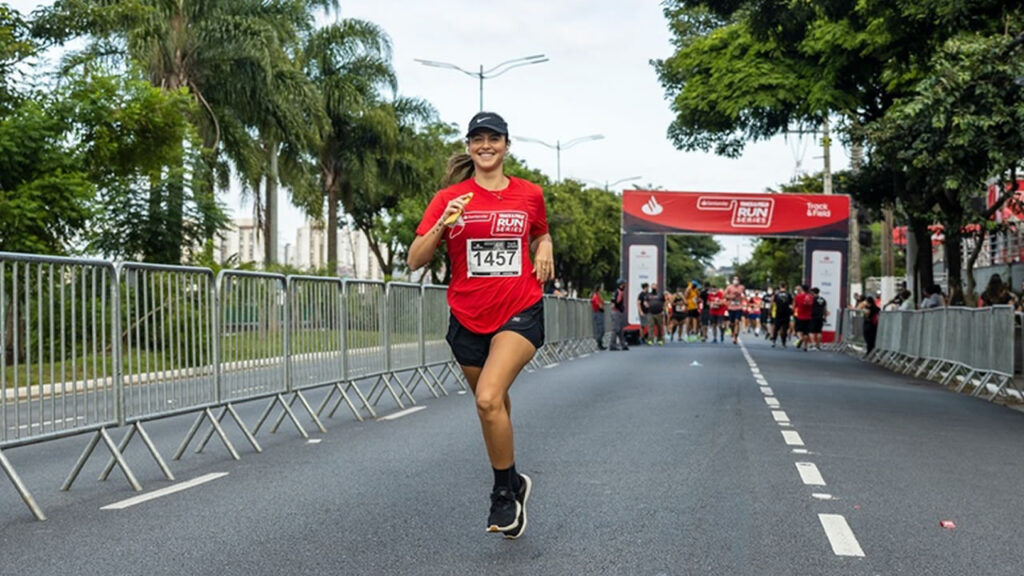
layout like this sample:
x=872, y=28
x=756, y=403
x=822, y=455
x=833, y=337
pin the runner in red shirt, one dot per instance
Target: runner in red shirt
x=719, y=308
x=491, y=223
x=597, y=307
x=803, y=304
x=735, y=298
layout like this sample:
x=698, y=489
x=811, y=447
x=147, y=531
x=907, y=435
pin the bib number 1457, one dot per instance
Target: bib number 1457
x=494, y=257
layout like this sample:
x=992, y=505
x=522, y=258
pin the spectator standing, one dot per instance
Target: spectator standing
x=871, y=314
x=819, y=311
x=995, y=293
x=597, y=306
x=618, y=341
x=641, y=309
x=933, y=297
x=803, y=304
x=656, y=316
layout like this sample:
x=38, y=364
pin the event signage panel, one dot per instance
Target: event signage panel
x=797, y=215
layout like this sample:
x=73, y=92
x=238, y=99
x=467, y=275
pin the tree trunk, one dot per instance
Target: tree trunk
x=330, y=182
x=270, y=214
x=155, y=228
x=975, y=252
x=954, y=266
x=923, y=265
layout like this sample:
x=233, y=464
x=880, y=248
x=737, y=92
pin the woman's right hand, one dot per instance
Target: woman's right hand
x=455, y=207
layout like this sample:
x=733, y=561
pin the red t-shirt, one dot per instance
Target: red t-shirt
x=495, y=280
x=802, y=305
x=716, y=300
x=596, y=302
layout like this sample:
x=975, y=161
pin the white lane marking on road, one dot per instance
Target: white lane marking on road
x=822, y=496
x=401, y=413
x=48, y=423
x=792, y=438
x=550, y=366
x=780, y=416
x=164, y=491
x=840, y=536
x=809, y=474
x=772, y=401
x=800, y=450
x=314, y=441
x=767, y=391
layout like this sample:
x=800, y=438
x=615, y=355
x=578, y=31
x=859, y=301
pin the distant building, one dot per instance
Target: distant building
x=243, y=244
x=355, y=259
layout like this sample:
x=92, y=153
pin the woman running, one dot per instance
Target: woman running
x=488, y=221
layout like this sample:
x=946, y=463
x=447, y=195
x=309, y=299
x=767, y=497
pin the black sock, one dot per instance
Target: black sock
x=506, y=478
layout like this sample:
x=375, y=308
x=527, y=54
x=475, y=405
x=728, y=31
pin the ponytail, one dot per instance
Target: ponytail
x=460, y=168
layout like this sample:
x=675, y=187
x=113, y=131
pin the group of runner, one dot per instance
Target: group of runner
x=703, y=312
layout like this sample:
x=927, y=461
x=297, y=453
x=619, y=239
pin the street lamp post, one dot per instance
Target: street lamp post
x=489, y=73
x=608, y=187
x=558, y=147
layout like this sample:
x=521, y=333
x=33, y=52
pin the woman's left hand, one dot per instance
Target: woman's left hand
x=544, y=262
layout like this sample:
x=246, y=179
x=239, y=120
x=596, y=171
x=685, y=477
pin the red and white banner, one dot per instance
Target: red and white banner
x=798, y=215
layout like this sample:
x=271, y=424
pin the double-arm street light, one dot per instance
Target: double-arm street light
x=489, y=73
x=609, y=186
x=558, y=147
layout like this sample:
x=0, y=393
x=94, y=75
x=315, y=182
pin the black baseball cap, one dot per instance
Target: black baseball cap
x=487, y=121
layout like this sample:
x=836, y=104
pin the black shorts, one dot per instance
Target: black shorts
x=735, y=315
x=678, y=316
x=781, y=321
x=802, y=325
x=817, y=324
x=471, y=349
x=693, y=313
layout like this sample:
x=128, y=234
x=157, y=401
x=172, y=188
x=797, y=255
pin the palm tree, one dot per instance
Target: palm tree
x=229, y=55
x=350, y=62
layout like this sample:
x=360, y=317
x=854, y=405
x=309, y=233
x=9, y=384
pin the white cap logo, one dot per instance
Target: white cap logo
x=652, y=208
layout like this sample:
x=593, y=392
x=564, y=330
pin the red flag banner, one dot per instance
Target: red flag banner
x=797, y=215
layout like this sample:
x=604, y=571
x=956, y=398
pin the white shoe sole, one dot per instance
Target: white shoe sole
x=526, y=497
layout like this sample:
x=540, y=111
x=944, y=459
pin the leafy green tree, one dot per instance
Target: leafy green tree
x=687, y=258
x=44, y=190
x=223, y=53
x=963, y=125
x=15, y=47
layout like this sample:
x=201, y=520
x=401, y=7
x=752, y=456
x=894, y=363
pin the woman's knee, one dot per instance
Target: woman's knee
x=490, y=405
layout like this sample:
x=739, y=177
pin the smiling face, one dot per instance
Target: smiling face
x=487, y=149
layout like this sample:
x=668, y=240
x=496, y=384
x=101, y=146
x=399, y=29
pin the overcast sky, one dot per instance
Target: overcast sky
x=598, y=81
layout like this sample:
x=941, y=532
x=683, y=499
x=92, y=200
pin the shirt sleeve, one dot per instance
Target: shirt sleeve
x=430, y=217
x=539, y=218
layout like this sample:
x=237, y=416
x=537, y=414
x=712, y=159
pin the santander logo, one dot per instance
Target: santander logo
x=652, y=208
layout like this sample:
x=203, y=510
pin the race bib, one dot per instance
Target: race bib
x=494, y=257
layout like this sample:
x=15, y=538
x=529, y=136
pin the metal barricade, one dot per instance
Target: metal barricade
x=366, y=345
x=437, y=355
x=58, y=355
x=251, y=353
x=315, y=343
x=405, y=338
x=167, y=349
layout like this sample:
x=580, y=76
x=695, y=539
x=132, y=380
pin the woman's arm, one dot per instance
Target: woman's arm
x=423, y=247
x=543, y=257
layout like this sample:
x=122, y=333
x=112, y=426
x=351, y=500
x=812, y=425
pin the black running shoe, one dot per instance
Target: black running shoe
x=504, y=511
x=522, y=495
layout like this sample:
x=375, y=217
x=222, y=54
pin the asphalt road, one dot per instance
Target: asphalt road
x=682, y=459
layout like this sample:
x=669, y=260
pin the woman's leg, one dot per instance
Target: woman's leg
x=509, y=354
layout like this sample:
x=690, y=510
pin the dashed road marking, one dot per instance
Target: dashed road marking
x=780, y=416
x=840, y=536
x=772, y=401
x=792, y=438
x=767, y=391
x=164, y=491
x=809, y=474
x=401, y=413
